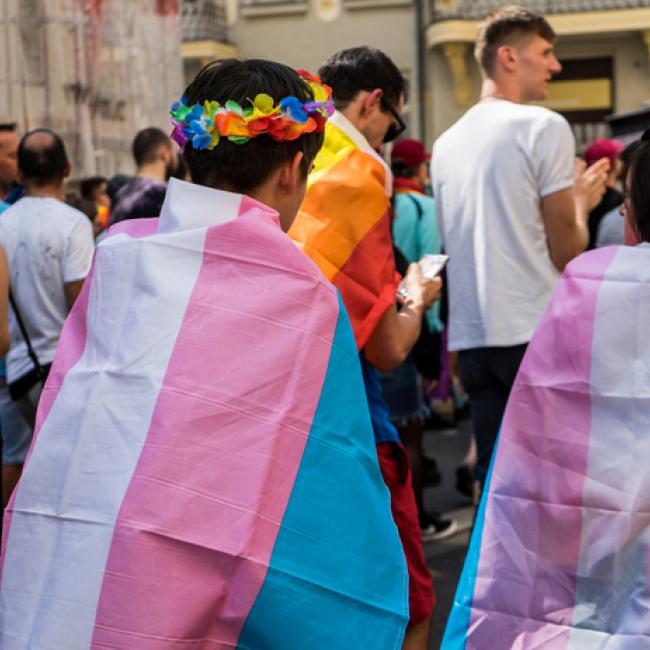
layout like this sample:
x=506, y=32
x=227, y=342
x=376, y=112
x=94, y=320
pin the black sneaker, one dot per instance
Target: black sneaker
x=435, y=528
x=431, y=476
x=465, y=481
x=439, y=422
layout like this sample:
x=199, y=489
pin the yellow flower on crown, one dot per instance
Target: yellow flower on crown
x=263, y=106
x=320, y=93
x=210, y=108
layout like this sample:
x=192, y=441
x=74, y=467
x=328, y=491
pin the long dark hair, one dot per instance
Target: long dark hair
x=635, y=176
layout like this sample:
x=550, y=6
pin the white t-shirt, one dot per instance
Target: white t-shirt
x=489, y=172
x=47, y=244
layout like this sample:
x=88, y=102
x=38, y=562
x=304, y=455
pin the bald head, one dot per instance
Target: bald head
x=42, y=159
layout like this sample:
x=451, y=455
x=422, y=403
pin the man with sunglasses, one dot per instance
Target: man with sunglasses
x=344, y=226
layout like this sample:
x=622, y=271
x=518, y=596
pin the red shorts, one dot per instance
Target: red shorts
x=394, y=466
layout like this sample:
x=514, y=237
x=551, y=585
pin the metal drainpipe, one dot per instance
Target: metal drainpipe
x=421, y=58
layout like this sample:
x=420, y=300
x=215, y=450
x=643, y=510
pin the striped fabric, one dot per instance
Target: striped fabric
x=344, y=225
x=560, y=555
x=204, y=473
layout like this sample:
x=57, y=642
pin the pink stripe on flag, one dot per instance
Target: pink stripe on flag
x=197, y=527
x=135, y=228
x=533, y=523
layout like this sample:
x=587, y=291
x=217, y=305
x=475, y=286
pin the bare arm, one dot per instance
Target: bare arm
x=397, y=331
x=565, y=213
x=4, y=302
x=72, y=290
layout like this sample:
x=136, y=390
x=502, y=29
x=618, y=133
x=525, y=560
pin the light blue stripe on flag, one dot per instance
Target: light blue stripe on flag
x=337, y=577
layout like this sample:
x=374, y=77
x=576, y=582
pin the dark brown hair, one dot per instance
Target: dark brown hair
x=350, y=71
x=506, y=26
x=147, y=144
x=635, y=176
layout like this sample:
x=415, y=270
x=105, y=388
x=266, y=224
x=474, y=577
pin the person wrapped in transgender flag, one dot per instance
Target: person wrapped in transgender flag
x=560, y=554
x=203, y=474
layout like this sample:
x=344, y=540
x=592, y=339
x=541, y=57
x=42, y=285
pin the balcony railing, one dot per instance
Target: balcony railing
x=476, y=9
x=204, y=20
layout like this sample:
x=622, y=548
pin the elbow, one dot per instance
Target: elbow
x=387, y=357
x=562, y=255
x=560, y=261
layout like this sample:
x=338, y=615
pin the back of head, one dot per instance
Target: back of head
x=42, y=159
x=147, y=144
x=362, y=68
x=507, y=25
x=243, y=166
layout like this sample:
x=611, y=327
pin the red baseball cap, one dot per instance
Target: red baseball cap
x=603, y=148
x=411, y=152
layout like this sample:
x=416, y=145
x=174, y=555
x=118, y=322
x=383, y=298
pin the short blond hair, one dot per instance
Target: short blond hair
x=506, y=26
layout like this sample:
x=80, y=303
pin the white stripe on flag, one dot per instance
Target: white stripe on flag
x=612, y=584
x=85, y=455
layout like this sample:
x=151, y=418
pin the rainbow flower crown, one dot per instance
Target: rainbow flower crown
x=205, y=124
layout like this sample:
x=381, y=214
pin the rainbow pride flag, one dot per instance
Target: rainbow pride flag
x=204, y=474
x=344, y=225
x=560, y=555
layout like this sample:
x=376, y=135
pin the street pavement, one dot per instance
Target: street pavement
x=445, y=558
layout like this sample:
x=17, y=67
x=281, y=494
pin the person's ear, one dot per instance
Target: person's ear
x=507, y=57
x=291, y=175
x=371, y=101
x=67, y=170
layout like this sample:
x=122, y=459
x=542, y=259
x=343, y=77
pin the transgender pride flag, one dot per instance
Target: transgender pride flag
x=204, y=475
x=560, y=555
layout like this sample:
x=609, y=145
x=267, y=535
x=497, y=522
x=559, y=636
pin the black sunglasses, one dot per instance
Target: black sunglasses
x=397, y=127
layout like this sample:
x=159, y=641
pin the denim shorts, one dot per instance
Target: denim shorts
x=403, y=393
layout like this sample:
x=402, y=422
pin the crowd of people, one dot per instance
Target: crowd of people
x=139, y=368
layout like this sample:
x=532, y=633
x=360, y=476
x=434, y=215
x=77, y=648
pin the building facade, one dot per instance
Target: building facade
x=303, y=33
x=604, y=46
x=95, y=71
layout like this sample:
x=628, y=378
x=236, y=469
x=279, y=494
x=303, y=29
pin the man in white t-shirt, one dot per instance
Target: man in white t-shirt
x=49, y=248
x=503, y=178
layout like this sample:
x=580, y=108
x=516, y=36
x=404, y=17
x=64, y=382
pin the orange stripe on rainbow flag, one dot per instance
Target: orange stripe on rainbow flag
x=343, y=225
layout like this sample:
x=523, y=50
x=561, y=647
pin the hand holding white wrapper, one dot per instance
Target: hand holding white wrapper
x=430, y=265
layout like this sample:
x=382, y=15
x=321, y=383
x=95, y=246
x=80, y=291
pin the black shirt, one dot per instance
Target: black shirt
x=139, y=198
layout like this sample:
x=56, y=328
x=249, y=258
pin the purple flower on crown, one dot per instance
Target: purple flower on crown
x=324, y=108
x=178, y=135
